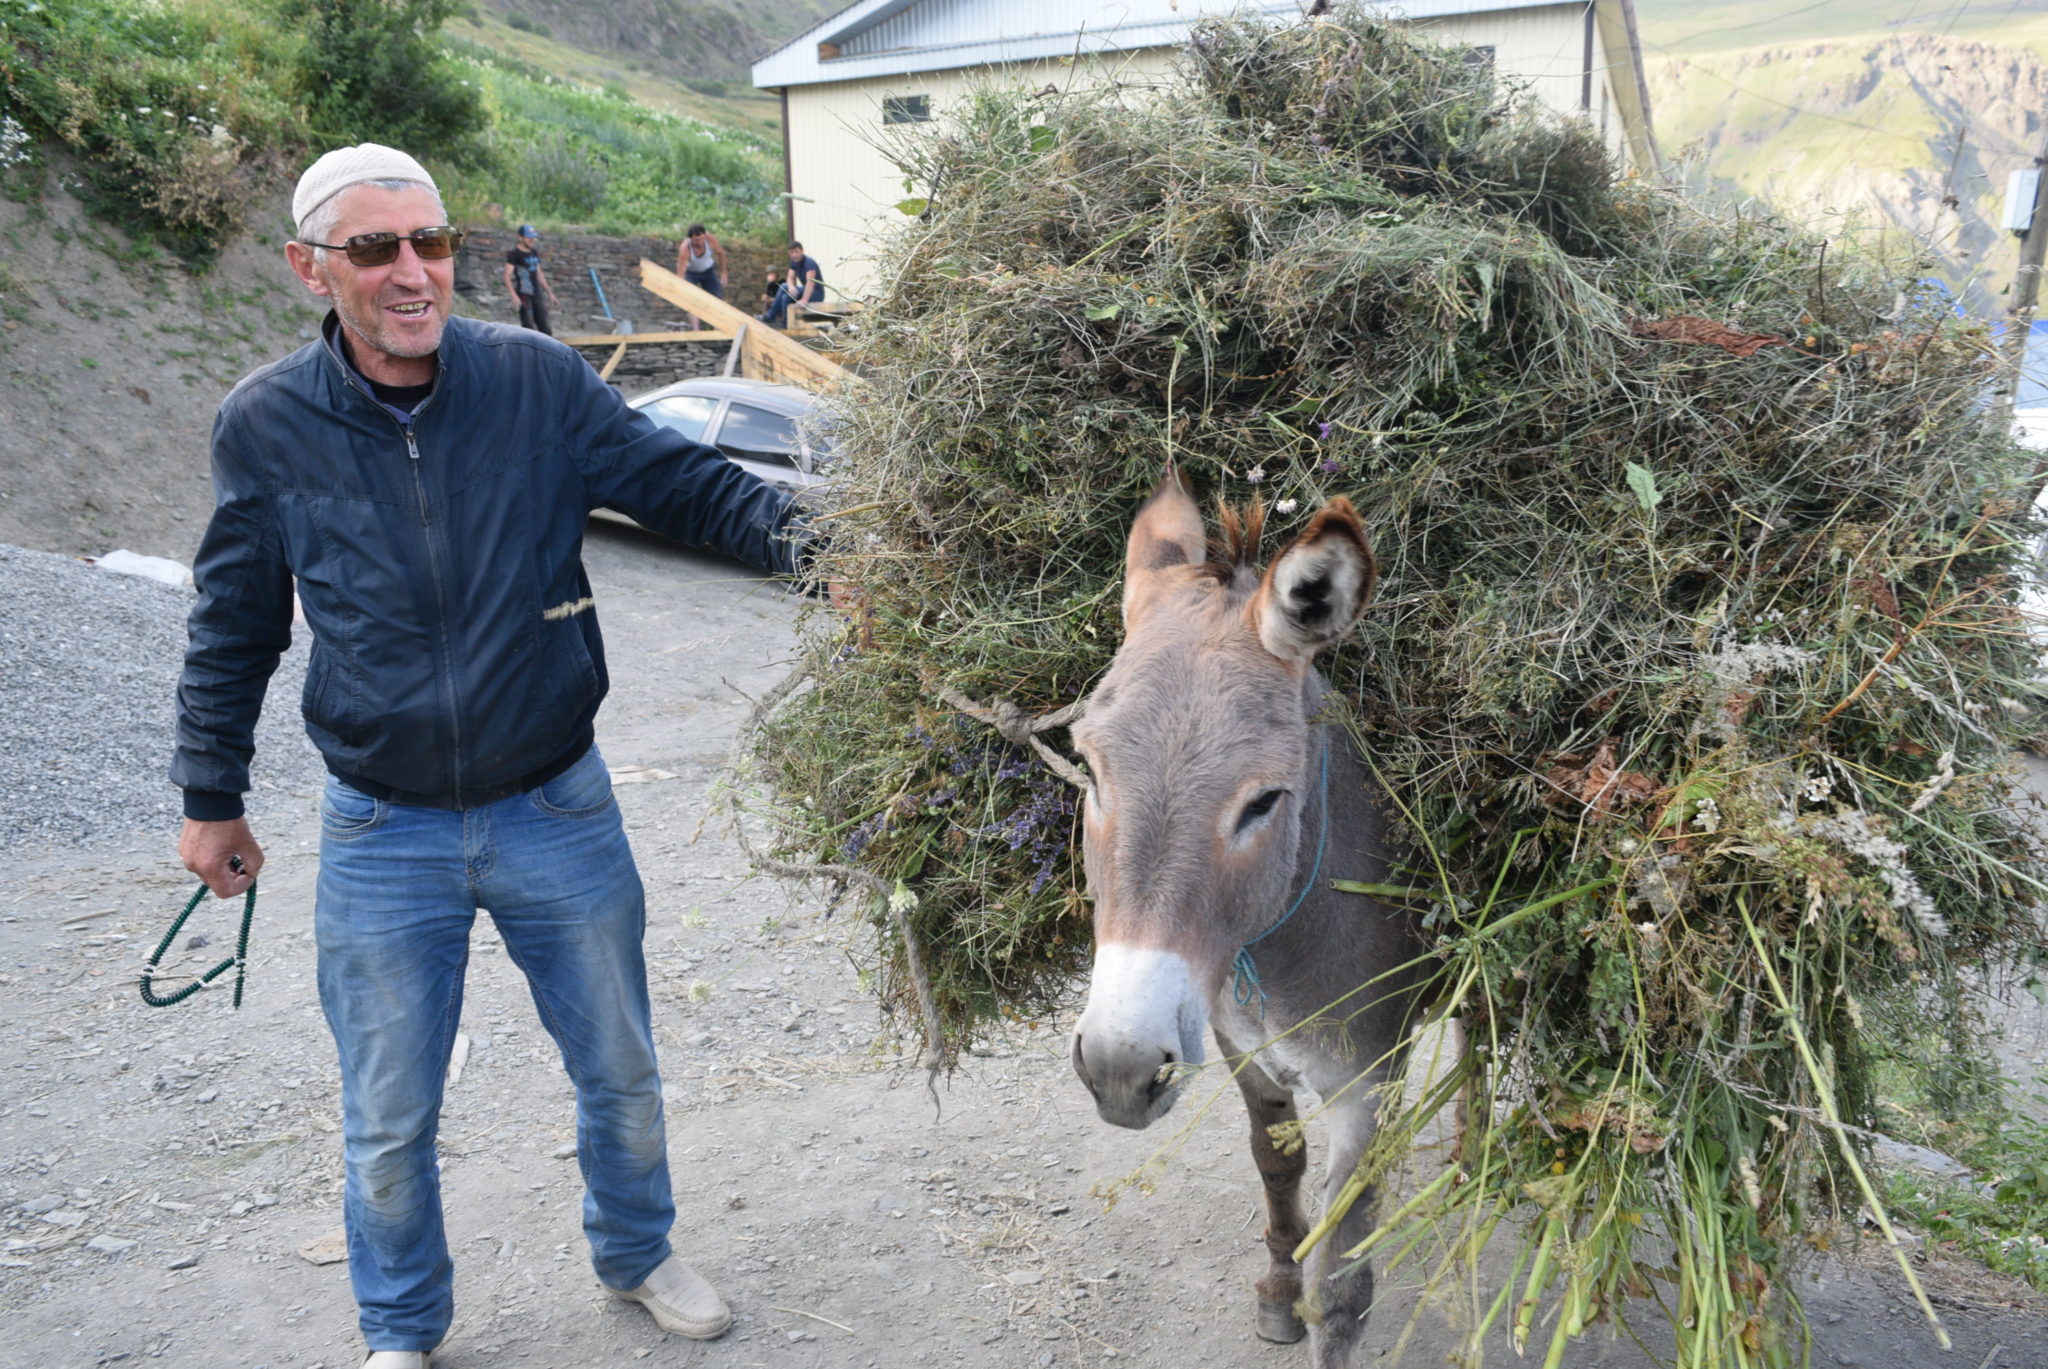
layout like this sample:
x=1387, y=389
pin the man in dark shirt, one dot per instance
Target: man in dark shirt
x=527, y=281
x=422, y=481
x=802, y=284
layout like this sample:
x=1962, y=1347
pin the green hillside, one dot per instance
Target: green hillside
x=179, y=115
x=698, y=41
x=723, y=100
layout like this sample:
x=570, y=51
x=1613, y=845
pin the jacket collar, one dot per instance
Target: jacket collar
x=453, y=344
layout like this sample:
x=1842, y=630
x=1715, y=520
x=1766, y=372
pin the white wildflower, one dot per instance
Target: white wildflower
x=1287, y=506
x=1817, y=787
x=1850, y=829
x=1732, y=671
x=1255, y=474
x=1738, y=664
x=902, y=901
x=1706, y=816
x=14, y=148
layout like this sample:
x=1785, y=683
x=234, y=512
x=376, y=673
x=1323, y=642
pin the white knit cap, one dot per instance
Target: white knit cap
x=347, y=166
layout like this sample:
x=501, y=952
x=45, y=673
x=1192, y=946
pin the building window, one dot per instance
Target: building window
x=906, y=109
x=1481, y=57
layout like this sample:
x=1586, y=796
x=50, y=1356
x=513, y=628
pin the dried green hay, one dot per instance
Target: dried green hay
x=1693, y=677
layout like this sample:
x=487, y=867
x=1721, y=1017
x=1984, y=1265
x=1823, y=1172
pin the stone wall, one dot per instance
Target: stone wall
x=568, y=258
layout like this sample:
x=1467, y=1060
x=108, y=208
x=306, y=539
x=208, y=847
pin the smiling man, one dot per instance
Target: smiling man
x=425, y=479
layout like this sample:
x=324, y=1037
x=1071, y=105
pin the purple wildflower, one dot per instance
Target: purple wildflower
x=857, y=840
x=1323, y=431
x=1330, y=466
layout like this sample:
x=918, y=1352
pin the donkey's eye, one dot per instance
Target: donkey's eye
x=1258, y=808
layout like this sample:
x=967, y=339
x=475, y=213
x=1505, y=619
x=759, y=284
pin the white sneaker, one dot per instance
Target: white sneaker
x=400, y=1359
x=681, y=1301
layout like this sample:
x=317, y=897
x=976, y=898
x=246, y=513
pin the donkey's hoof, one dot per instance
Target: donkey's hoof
x=1278, y=1324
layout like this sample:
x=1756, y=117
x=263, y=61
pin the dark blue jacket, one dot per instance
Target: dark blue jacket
x=456, y=655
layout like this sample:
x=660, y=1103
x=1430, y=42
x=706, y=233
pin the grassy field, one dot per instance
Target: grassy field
x=735, y=106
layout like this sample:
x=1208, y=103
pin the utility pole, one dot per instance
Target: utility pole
x=2028, y=216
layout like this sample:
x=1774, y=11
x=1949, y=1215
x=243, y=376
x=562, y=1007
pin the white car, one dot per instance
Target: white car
x=759, y=425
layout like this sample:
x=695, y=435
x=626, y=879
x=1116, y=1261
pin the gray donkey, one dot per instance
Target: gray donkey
x=1219, y=811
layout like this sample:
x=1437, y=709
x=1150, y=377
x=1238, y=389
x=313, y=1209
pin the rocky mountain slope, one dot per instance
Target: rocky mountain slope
x=1908, y=135
x=703, y=40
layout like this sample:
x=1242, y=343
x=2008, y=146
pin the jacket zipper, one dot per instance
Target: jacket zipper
x=419, y=484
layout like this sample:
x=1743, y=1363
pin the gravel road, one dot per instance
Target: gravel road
x=161, y=1172
x=88, y=663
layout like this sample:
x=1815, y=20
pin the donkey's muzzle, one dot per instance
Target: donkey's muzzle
x=1133, y=1085
x=1143, y=1023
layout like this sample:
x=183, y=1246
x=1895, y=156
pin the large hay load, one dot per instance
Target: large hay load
x=1693, y=678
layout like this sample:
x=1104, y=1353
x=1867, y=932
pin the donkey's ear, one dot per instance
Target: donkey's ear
x=1316, y=590
x=1167, y=533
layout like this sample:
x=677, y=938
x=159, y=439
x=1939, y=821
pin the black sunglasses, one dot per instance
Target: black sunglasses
x=381, y=249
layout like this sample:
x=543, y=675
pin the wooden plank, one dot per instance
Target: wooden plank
x=768, y=354
x=608, y=339
x=613, y=364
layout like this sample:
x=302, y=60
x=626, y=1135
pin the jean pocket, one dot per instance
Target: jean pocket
x=346, y=812
x=583, y=790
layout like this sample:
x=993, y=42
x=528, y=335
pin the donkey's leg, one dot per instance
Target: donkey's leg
x=1337, y=1302
x=1270, y=1104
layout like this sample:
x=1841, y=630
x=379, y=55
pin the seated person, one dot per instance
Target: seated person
x=803, y=284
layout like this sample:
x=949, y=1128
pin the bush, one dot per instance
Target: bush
x=525, y=25
x=552, y=172
x=375, y=71
x=173, y=111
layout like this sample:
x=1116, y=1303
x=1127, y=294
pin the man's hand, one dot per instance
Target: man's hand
x=206, y=848
x=850, y=601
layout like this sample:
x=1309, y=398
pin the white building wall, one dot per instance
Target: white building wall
x=844, y=182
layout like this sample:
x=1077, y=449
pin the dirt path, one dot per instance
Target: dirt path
x=160, y=1171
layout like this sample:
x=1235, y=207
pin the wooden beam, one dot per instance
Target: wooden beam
x=609, y=339
x=612, y=365
x=769, y=355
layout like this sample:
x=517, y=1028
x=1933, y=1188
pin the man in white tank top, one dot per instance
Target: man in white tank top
x=700, y=260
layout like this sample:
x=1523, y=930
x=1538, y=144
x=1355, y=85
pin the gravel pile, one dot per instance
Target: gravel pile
x=89, y=663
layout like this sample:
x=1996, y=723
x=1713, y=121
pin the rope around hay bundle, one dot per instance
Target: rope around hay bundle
x=1021, y=729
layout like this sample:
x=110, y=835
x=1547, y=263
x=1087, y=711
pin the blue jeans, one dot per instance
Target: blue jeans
x=778, y=308
x=399, y=889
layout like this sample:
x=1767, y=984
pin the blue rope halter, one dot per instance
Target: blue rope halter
x=1245, y=970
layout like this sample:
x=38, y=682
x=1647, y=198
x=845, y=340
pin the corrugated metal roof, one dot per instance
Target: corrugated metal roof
x=892, y=37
